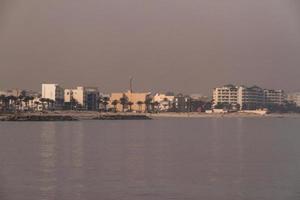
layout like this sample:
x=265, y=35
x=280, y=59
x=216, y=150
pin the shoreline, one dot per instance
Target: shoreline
x=93, y=115
x=224, y=115
x=71, y=116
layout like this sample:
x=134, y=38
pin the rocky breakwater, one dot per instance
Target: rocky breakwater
x=122, y=117
x=38, y=118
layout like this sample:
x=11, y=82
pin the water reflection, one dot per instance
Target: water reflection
x=159, y=159
x=135, y=159
x=48, y=161
x=77, y=162
x=240, y=158
x=215, y=149
x=226, y=163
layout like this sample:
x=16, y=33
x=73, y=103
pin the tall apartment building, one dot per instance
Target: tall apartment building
x=85, y=98
x=239, y=97
x=272, y=97
x=228, y=94
x=92, y=98
x=55, y=93
x=250, y=98
x=247, y=97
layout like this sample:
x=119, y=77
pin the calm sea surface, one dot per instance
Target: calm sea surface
x=179, y=159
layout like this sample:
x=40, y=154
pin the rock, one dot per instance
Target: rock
x=39, y=118
x=122, y=117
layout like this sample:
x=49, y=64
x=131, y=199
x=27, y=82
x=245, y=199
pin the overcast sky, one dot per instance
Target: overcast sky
x=186, y=46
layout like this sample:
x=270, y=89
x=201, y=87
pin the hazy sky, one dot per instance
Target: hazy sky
x=178, y=45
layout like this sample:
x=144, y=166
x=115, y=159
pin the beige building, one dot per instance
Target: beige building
x=294, y=97
x=132, y=97
x=77, y=94
x=227, y=94
x=13, y=92
x=85, y=97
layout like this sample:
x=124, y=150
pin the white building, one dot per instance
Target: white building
x=55, y=93
x=37, y=105
x=238, y=97
x=165, y=101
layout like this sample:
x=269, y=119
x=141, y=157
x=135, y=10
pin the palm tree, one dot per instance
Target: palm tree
x=6, y=101
x=73, y=104
x=140, y=104
x=31, y=98
x=100, y=102
x=2, y=97
x=115, y=103
x=47, y=103
x=21, y=99
x=105, y=103
x=51, y=102
x=17, y=104
x=123, y=102
x=155, y=105
x=37, y=103
x=148, y=103
x=13, y=101
x=2, y=101
x=130, y=104
x=26, y=100
x=43, y=100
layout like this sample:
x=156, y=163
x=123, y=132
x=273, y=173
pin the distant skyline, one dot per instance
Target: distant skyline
x=104, y=90
x=166, y=45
